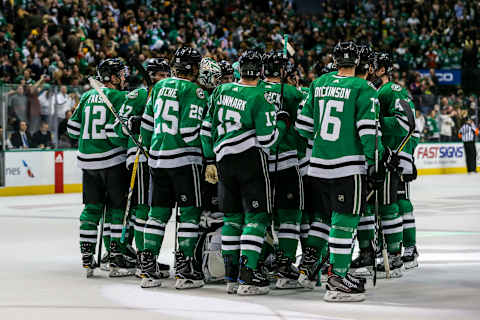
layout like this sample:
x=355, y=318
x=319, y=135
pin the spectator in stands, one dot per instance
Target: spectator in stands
x=43, y=138
x=420, y=124
x=18, y=106
x=63, y=103
x=446, y=126
x=432, y=125
x=46, y=103
x=64, y=140
x=21, y=138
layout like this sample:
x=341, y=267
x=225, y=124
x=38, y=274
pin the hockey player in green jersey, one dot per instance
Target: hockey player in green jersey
x=133, y=109
x=171, y=128
x=238, y=125
x=396, y=213
x=103, y=166
x=363, y=264
x=340, y=116
x=227, y=71
x=284, y=173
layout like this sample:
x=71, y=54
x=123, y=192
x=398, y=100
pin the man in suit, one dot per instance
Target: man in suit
x=21, y=138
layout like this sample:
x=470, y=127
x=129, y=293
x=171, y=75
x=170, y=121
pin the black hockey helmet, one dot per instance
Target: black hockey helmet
x=383, y=59
x=365, y=52
x=226, y=67
x=157, y=65
x=273, y=62
x=329, y=67
x=185, y=59
x=110, y=67
x=291, y=69
x=345, y=54
x=250, y=64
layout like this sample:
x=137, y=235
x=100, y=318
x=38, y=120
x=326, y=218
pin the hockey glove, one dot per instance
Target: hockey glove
x=375, y=179
x=411, y=176
x=134, y=123
x=284, y=116
x=211, y=175
x=390, y=160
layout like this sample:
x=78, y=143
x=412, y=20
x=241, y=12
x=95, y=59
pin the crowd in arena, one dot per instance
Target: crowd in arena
x=50, y=48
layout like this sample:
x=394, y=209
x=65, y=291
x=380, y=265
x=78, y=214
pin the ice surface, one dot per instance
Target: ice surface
x=41, y=277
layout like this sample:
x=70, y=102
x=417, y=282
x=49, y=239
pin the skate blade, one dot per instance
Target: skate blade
x=410, y=265
x=248, y=290
x=121, y=272
x=188, y=284
x=397, y=273
x=363, y=272
x=105, y=267
x=150, y=283
x=305, y=282
x=337, y=296
x=89, y=272
x=284, y=283
x=232, y=287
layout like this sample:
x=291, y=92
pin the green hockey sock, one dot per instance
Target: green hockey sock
x=141, y=216
x=340, y=241
x=366, y=228
x=188, y=229
x=251, y=240
x=409, y=230
x=392, y=227
x=318, y=234
x=289, y=231
x=304, y=228
x=89, y=219
x=231, y=232
x=155, y=228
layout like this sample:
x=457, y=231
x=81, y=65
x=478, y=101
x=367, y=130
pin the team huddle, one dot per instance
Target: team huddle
x=255, y=161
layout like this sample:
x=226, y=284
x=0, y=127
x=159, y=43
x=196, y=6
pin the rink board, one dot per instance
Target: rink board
x=56, y=171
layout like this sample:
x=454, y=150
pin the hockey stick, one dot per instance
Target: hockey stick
x=379, y=222
x=282, y=85
x=411, y=129
x=100, y=242
x=97, y=85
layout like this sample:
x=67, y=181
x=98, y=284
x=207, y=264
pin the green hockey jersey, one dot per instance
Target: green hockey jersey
x=339, y=115
x=304, y=148
x=238, y=119
x=394, y=122
x=91, y=123
x=287, y=147
x=134, y=105
x=171, y=123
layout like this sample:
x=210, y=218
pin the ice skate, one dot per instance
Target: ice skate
x=251, y=282
x=362, y=266
x=87, y=250
x=342, y=289
x=185, y=273
x=307, y=269
x=151, y=274
x=287, y=274
x=231, y=274
x=105, y=262
x=396, y=265
x=409, y=258
x=120, y=265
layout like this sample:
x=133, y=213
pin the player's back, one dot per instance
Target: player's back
x=340, y=104
x=234, y=110
x=88, y=124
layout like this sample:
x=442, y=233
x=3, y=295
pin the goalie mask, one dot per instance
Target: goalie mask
x=345, y=55
x=210, y=73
